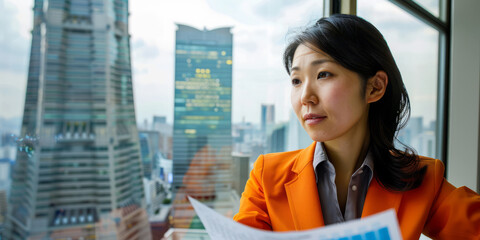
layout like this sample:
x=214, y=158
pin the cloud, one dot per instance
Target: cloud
x=14, y=50
x=273, y=9
x=14, y=42
x=145, y=51
x=12, y=94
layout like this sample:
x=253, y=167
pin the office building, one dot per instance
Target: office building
x=3, y=208
x=277, y=138
x=164, y=171
x=202, y=142
x=158, y=120
x=241, y=172
x=149, y=142
x=166, y=134
x=5, y=170
x=245, y=136
x=297, y=137
x=79, y=160
x=268, y=117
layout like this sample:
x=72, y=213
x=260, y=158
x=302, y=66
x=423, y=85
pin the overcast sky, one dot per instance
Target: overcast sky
x=259, y=32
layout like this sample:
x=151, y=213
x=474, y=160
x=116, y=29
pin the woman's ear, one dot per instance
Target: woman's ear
x=376, y=87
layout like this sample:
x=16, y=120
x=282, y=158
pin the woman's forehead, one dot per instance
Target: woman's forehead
x=308, y=51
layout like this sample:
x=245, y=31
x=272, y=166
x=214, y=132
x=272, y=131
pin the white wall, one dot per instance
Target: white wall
x=464, y=111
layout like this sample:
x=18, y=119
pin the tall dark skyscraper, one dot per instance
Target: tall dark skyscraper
x=78, y=170
x=202, y=142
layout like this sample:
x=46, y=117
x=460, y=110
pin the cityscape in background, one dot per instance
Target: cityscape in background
x=79, y=165
x=248, y=141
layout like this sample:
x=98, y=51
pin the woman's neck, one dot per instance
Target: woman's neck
x=348, y=152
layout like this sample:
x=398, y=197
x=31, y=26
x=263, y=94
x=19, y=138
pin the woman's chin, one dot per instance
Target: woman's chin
x=317, y=138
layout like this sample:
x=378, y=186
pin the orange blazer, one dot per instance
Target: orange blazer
x=282, y=195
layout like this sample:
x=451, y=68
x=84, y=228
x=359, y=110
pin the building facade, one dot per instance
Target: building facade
x=165, y=144
x=78, y=162
x=268, y=117
x=149, y=142
x=277, y=138
x=202, y=141
x=241, y=172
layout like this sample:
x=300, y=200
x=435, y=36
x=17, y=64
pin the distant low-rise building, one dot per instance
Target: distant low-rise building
x=241, y=171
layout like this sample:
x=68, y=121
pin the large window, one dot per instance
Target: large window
x=417, y=47
x=418, y=38
x=255, y=91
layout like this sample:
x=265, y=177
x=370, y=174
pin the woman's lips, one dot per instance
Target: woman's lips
x=312, y=118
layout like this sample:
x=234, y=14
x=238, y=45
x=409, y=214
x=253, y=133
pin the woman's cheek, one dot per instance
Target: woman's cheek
x=332, y=97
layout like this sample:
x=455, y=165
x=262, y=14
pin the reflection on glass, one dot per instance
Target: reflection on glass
x=415, y=48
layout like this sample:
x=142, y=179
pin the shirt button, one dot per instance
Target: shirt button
x=354, y=188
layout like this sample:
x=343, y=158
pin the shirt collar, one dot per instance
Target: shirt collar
x=320, y=156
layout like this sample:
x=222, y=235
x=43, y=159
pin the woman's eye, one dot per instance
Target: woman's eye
x=295, y=82
x=324, y=75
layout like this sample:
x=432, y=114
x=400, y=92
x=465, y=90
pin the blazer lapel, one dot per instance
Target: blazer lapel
x=379, y=199
x=302, y=193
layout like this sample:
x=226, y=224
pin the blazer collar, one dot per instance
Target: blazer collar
x=302, y=192
x=304, y=158
x=304, y=203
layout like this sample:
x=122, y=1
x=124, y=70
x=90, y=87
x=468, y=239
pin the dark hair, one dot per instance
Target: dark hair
x=358, y=46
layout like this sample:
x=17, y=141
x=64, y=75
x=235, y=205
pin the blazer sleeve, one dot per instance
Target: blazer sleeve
x=455, y=213
x=253, y=208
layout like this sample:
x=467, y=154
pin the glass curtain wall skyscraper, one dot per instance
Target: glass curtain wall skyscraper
x=202, y=142
x=78, y=170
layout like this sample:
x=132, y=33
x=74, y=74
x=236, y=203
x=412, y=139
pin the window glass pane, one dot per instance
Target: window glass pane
x=433, y=6
x=415, y=48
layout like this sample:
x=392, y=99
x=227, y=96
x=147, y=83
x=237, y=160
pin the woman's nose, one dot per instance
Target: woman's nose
x=309, y=95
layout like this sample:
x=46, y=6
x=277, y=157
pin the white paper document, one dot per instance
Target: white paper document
x=382, y=226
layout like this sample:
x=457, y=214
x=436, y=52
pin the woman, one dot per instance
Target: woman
x=349, y=96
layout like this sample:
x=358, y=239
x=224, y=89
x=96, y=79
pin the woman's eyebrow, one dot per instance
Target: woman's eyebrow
x=314, y=63
x=320, y=61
